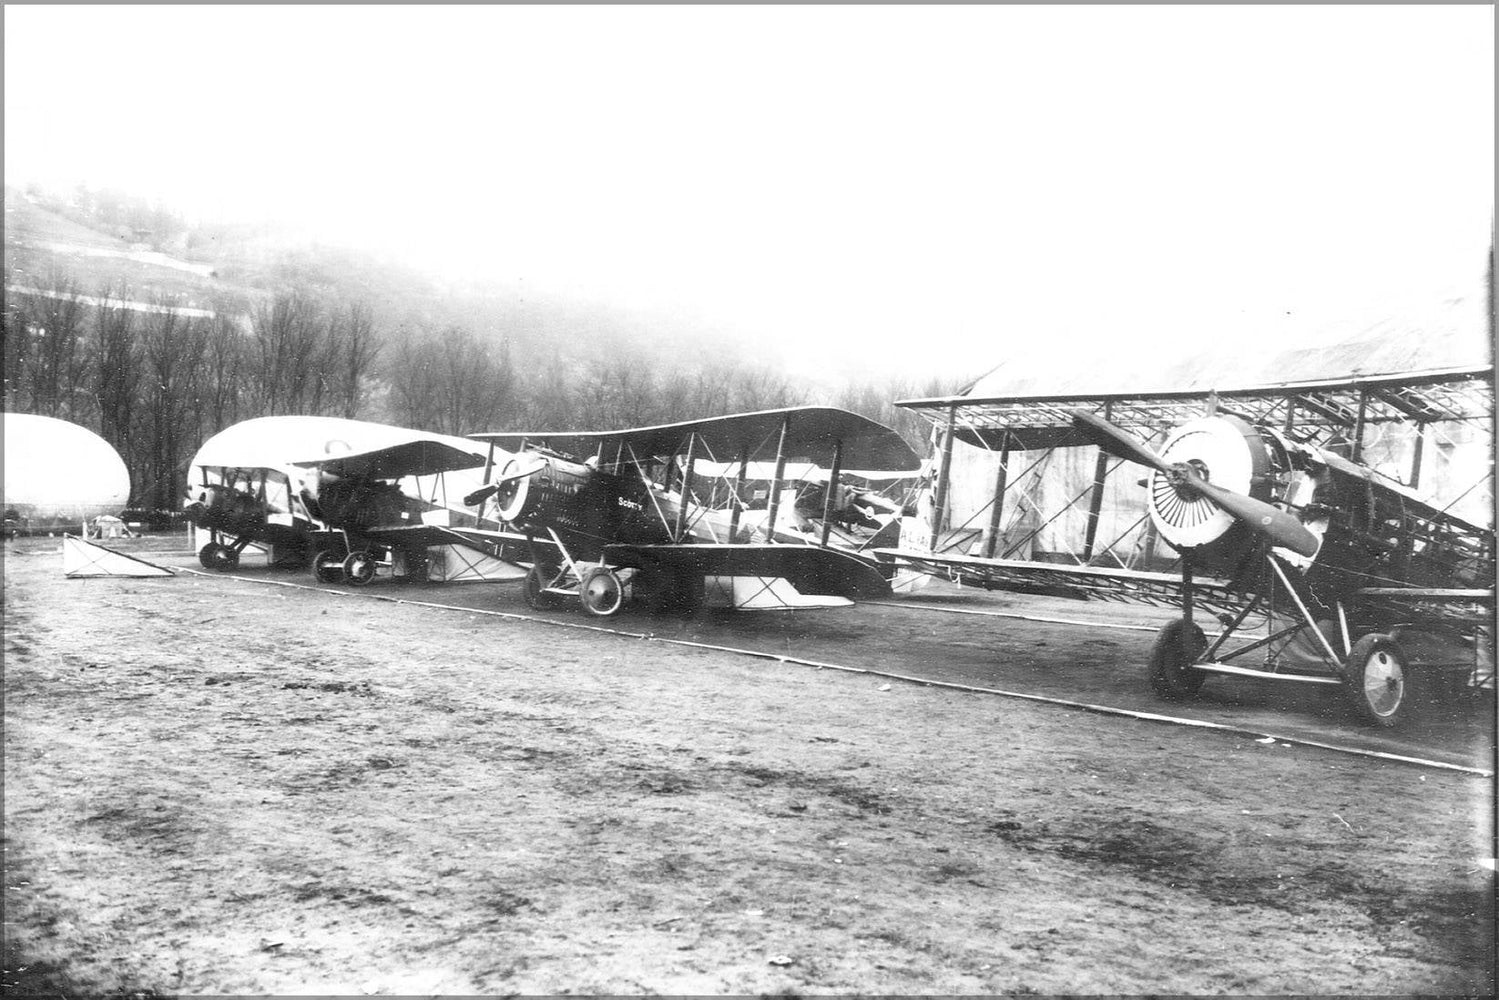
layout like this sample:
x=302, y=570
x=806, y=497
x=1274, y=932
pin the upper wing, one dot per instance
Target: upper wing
x=420, y=456
x=345, y=447
x=811, y=433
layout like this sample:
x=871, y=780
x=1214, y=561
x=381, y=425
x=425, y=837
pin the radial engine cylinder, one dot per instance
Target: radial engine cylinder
x=542, y=490
x=226, y=509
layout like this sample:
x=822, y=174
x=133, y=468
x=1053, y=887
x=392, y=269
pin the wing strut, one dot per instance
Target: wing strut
x=827, y=500
x=738, y=505
x=686, y=486
x=775, y=484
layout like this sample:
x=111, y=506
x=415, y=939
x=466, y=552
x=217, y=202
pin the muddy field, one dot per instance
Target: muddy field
x=217, y=786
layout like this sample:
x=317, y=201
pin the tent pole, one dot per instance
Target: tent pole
x=1000, y=485
x=1416, y=455
x=939, y=496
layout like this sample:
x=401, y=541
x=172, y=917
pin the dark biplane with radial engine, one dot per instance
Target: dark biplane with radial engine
x=346, y=497
x=1306, y=564
x=614, y=516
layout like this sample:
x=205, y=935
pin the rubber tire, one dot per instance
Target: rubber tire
x=359, y=568
x=218, y=557
x=601, y=592
x=328, y=566
x=1177, y=646
x=1392, y=693
x=537, y=579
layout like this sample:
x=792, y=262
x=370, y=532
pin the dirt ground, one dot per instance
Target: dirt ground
x=215, y=786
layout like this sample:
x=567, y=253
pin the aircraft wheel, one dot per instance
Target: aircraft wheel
x=359, y=568
x=328, y=566
x=218, y=557
x=601, y=592
x=538, y=578
x=1376, y=685
x=1176, y=648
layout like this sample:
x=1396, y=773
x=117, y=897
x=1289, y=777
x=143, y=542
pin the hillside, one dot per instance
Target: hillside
x=227, y=267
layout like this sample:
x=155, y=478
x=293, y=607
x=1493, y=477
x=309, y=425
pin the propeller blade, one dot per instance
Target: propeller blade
x=485, y=492
x=1279, y=526
x=1116, y=441
x=480, y=495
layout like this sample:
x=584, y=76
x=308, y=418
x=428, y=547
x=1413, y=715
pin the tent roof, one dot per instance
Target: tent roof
x=1452, y=336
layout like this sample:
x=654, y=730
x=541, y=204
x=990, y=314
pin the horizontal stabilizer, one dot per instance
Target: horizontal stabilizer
x=81, y=558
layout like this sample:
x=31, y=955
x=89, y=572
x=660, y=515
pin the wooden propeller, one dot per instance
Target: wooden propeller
x=1117, y=441
x=1281, y=527
x=485, y=492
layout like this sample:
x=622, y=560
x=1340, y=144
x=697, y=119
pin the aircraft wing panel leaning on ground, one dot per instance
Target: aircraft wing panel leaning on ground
x=1340, y=516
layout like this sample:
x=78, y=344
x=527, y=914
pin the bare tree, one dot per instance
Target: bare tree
x=116, y=362
x=173, y=349
x=54, y=363
x=289, y=341
x=16, y=338
x=226, y=363
x=412, y=385
x=355, y=350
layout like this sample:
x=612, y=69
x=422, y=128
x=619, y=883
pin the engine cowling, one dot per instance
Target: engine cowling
x=226, y=509
x=1227, y=452
x=537, y=490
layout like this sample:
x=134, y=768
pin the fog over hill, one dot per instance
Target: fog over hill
x=49, y=234
x=158, y=332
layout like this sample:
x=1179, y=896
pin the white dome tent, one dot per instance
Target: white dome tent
x=58, y=475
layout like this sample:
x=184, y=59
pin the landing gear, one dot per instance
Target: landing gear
x=601, y=592
x=328, y=566
x=217, y=556
x=1376, y=682
x=538, y=578
x=1176, y=648
x=359, y=568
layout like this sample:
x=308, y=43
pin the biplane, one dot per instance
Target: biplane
x=344, y=497
x=1306, y=562
x=614, y=516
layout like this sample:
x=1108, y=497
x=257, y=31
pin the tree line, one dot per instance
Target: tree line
x=156, y=381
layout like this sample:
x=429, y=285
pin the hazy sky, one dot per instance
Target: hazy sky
x=889, y=182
